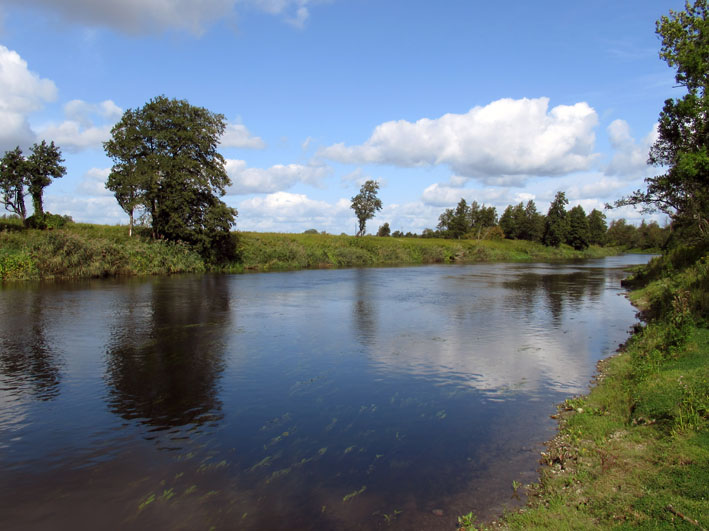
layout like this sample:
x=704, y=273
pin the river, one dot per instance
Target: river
x=392, y=398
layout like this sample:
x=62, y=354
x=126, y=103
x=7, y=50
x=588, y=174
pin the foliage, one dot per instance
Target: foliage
x=556, y=224
x=34, y=172
x=683, y=131
x=90, y=251
x=597, y=227
x=384, y=230
x=522, y=222
x=13, y=179
x=365, y=204
x=44, y=164
x=466, y=221
x=166, y=162
x=578, y=234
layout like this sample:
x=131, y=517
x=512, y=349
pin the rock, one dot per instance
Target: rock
x=438, y=512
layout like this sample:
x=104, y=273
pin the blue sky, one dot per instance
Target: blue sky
x=498, y=102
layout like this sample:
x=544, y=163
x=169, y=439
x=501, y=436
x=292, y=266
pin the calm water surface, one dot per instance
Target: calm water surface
x=339, y=399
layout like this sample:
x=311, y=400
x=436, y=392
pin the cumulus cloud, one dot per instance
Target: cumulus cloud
x=288, y=212
x=238, y=136
x=79, y=131
x=93, y=183
x=447, y=195
x=247, y=180
x=155, y=16
x=500, y=143
x=596, y=186
x=102, y=209
x=630, y=158
x=21, y=93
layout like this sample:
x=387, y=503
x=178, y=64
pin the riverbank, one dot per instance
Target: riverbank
x=92, y=251
x=634, y=452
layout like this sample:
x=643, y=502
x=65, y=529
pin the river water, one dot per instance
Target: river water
x=330, y=399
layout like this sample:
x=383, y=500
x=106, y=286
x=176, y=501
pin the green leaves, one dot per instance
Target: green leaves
x=166, y=164
x=365, y=204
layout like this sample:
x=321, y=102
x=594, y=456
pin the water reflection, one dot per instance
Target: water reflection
x=166, y=351
x=27, y=358
x=364, y=309
x=305, y=400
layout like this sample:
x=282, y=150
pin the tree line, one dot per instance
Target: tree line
x=525, y=222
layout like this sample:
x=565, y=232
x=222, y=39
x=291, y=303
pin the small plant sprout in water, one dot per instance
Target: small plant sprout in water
x=467, y=522
x=516, y=485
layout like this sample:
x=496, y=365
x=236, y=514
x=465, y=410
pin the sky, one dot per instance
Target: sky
x=494, y=102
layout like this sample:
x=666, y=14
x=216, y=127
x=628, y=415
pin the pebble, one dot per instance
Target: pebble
x=438, y=512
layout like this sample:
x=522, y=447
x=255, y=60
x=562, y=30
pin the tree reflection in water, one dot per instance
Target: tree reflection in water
x=27, y=358
x=167, y=352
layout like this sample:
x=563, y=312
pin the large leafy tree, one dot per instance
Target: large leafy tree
x=578, y=234
x=365, y=204
x=556, y=224
x=13, y=178
x=44, y=164
x=597, y=227
x=166, y=163
x=682, y=147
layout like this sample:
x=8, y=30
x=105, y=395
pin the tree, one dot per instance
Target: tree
x=507, y=223
x=43, y=164
x=365, y=204
x=13, y=178
x=683, y=131
x=597, y=227
x=128, y=180
x=578, y=233
x=621, y=234
x=384, y=230
x=166, y=162
x=556, y=223
x=531, y=224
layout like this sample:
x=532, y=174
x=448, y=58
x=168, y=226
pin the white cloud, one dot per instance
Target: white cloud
x=21, y=93
x=155, y=16
x=288, y=212
x=93, y=183
x=501, y=143
x=247, y=180
x=104, y=210
x=238, y=136
x=79, y=131
x=598, y=186
x=447, y=195
x=630, y=158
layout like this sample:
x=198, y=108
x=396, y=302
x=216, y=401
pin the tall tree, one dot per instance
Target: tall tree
x=166, y=162
x=556, y=223
x=13, y=178
x=384, y=230
x=44, y=164
x=683, y=131
x=507, y=222
x=365, y=204
x=597, y=227
x=532, y=225
x=578, y=233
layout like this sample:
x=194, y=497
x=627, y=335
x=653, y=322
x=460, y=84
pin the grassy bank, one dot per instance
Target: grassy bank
x=89, y=251
x=269, y=251
x=634, y=452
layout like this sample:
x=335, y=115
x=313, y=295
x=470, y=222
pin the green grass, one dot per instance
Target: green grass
x=90, y=251
x=634, y=452
x=274, y=251
x=80, y=250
